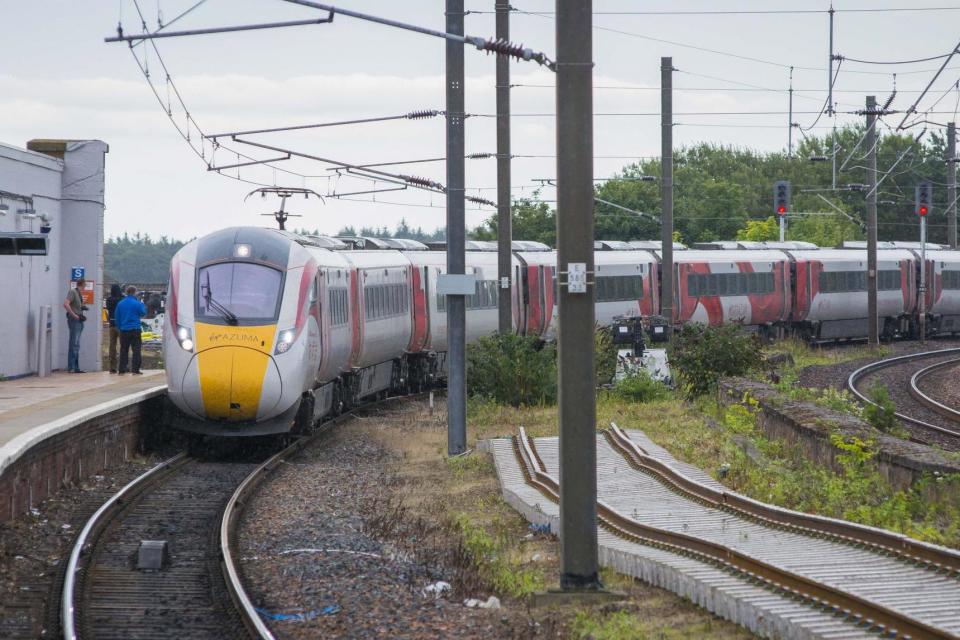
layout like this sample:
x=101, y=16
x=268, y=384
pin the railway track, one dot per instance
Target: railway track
x=950, y=413
x=196, y=504
x=873, y=580
x=928, y=421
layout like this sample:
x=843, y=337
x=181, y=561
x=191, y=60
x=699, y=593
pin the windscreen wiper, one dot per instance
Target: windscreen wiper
x=228, y=315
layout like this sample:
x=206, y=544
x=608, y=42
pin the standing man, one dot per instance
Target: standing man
x=75, y=319
x=127, y=318
x=116, y=295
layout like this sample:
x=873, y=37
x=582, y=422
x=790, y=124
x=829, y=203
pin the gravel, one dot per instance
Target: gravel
x=942, y=386
x=324, y=554
x=33, y=551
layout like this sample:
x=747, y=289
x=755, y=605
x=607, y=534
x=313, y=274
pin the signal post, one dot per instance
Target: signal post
x=923, y=199
x=781, y=204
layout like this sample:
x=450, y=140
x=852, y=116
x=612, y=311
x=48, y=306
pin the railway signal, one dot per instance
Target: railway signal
x=923, y=198
x=781, y=204
x=781, y=197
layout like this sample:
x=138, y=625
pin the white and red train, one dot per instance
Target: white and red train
x=267, y=331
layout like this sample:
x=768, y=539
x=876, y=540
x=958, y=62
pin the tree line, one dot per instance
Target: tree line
x=138, y=258
x=725, y=192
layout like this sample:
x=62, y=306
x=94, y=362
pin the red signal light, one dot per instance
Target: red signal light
x=782, y=210
x=923, y=211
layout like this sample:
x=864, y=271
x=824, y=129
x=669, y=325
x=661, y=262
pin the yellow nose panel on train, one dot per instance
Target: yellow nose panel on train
x=232, y=363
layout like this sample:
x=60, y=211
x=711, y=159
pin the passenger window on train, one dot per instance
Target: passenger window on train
x=950, y=279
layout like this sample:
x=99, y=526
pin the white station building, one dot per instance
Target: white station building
x=51, y=225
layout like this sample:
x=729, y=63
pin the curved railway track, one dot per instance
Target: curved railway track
x=196, y=505
x=927, y=420
x=924, y=398
x=874, y=579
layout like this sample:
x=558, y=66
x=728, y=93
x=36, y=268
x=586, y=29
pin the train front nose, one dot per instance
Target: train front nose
x=237, y=378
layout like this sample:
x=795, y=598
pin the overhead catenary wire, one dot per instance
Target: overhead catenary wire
x=185, y=134
x=412, y=115
x=913, y=107
x=716, y=12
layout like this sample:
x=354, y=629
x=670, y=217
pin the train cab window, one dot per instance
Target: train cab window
x=238, y=293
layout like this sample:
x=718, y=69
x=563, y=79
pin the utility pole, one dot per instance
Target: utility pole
x=456, y=258
x=952, y=184
x=504, y=223
x=790, y=120
x=873, y=333
x=833, y=132
x=576, y=376
x=666, y=188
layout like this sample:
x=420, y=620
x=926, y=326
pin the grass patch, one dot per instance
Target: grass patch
x=805, y=355
x=495, y=560
x=630, y=625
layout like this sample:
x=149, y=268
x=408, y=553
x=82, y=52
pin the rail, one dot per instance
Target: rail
x=892, y=362
x=778, y=579
x=937, y=407
x=94, y=525
x=908, y=549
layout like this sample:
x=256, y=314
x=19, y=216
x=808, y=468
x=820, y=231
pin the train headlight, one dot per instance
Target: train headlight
x=284, y=340
x=185, y=338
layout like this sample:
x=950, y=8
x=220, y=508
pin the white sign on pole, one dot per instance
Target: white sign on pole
x=577, y=277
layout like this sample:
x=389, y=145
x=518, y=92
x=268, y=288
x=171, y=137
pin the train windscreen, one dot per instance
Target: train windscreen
x=238, y=293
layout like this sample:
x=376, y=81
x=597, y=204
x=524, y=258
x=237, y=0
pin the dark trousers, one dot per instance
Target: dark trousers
x=112, y=351
x=130, y=339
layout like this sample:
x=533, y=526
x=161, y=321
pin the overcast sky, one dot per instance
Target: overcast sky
x=58, y=79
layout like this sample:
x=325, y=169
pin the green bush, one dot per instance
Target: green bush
x=700, y=356
x=605, y=353
x=512, y=369
x=638, y=386
x=881, y=414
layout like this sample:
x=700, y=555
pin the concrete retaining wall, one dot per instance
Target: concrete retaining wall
x=810, y=426
x=74, y=454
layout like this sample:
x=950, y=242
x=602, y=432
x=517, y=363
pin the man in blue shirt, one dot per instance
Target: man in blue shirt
x=127, y=318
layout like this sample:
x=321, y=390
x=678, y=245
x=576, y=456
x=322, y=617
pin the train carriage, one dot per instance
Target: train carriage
x=380, y=295
x=243, y=332
x=830, y=300
x=626, y=284
x=943, y=292
x=750, y=287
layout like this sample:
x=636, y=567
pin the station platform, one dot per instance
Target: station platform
x=31, y=402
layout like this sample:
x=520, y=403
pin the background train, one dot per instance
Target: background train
x=267, y=331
